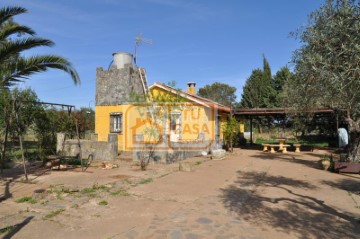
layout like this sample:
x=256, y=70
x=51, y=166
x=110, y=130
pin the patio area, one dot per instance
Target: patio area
x=249, y=194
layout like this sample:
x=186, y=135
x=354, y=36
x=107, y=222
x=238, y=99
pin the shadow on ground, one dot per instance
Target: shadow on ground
x=17, y=227
x=11, y=175
x=289, y=211
x=288, y=158
x=350, y=185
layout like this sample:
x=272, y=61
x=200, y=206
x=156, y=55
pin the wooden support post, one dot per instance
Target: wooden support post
x=20, y=139
x=251, y=131
x=79, y=143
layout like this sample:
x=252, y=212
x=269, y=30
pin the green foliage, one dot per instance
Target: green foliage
x=230, y=130
x=145, y=180
x=6, y=229
x=258, y=91
x=86, y=120
x=12, y=124
x=120, y=192
x=26, y=199
x=219, y=92
x=94, y=190
x=103, y=203
x=280, y=79
x=254, y=91
x=326, y=66
x=325, y=158
x=53, y=213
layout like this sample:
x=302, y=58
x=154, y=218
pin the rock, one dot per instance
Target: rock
x=204, y=220
x=39, y=194
x=109, y=165
x=218, y=154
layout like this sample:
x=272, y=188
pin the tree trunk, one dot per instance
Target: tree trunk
x=3, y=149
x=354, y=140
x=354, y=147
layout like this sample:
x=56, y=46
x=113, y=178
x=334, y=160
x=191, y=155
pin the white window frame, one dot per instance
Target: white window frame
x=116, y=122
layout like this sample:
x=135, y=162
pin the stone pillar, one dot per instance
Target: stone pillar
x=112, y=137
x=60, y=138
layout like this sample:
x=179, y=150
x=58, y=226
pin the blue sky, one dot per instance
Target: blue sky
x=194, y=40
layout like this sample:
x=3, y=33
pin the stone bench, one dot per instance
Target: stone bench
x=265, y=149
x=282, y=147
x=297, y=148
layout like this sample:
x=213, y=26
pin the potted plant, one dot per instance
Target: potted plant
x=325, y=162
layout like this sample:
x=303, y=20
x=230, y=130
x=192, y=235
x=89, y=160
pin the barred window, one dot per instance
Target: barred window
x=116, y=122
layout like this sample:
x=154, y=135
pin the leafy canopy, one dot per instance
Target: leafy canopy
x=327, y=66
x=219, y=92
x=258, y=91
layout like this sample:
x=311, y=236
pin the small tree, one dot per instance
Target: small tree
x=17, y=116
x=230, y=131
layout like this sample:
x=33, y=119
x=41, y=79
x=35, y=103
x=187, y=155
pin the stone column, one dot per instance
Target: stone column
x=60, y=137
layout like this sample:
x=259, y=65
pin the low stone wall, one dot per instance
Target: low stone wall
x=165, y=156
x=178, y=151
x=98, y=149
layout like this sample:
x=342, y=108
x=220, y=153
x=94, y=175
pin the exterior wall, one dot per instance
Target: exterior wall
x=117, y=86
x=102, y=123
x=223, y=120
x=98, y=150
x=198, y=121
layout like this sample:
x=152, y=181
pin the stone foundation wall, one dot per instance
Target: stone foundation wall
x=165, y=156
x=98, y=149
x=177, y=152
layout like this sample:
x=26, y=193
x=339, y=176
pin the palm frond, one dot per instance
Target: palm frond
x=15, y=47
x=25, y=67
x=7, y=13
x=14, y=28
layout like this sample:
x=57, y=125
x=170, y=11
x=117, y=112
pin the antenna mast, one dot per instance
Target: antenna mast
x=139, y=40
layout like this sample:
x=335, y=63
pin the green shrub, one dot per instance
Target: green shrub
x=26, y=199
x=103, y=203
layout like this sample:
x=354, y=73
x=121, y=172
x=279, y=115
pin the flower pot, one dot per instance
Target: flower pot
x=325, y=164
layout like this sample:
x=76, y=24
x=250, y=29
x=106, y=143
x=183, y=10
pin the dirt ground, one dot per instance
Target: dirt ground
x=249, y=194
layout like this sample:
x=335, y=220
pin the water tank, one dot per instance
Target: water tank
x=120, y=59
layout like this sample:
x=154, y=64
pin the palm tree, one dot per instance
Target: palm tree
x=16, y=38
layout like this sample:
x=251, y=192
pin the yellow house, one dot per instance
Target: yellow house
x=181, y=116
x=167, y=119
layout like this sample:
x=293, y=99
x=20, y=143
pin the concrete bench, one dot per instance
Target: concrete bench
x=282, y=147
x=265, y=149
x=297, y=148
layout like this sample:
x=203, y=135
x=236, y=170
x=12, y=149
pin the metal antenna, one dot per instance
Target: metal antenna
x=139, y=40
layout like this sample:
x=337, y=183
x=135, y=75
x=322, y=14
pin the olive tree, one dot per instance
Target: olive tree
x=327, y=65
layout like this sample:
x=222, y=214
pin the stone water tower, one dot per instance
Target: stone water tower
x=120, y=84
